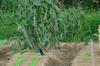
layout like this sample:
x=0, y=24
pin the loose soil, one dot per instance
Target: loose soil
x=80, y=60
x=64, y=56
x=68, y=55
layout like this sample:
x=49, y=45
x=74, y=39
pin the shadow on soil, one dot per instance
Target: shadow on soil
x=62, y=57
x=65, y=56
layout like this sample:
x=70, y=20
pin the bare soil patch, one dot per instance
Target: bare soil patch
x=68, y=55
x=64, y=56
x=80, y=60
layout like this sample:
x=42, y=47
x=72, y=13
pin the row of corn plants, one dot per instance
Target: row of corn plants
x=37, y=22
x=41, y=23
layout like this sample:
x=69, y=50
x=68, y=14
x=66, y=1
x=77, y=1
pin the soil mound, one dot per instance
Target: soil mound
x=84, y=57
x=62, y=57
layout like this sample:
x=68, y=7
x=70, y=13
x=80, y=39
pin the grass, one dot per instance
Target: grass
x=20, y=60
x=7, y=27
x=35, y=61
x=23, y=58
x=87, y=56
x=3, y=42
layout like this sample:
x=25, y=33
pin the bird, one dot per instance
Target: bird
x=41, y=52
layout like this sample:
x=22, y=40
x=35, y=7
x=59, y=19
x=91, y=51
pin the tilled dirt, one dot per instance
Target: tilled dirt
x=81, y=61
x=64, y=56
x=68, y=55
x=5, y=51
x=28, y=55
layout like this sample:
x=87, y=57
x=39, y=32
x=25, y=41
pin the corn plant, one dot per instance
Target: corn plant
x=42, y=23
x=38, y=22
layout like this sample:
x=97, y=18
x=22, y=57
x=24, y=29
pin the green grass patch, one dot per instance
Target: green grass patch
x=87, y=56
x=35, y=61
x=3, y=42
x=20, y=60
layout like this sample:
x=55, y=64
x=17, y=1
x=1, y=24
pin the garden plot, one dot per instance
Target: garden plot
x=61, y=57
x=5, y=47
x=84, y=58
x=25, y=59
x=69, y=55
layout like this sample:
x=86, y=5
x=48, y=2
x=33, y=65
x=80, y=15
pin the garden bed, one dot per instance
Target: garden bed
x=66, y=56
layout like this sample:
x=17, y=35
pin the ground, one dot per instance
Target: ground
x=82, y=60
x=70, y=54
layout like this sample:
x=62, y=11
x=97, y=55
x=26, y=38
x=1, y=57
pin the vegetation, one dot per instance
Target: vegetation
x=41, y=23
x=3, y=42
x=87, y=56
x=20, y=60
x=35, y=61
x=23, y=58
